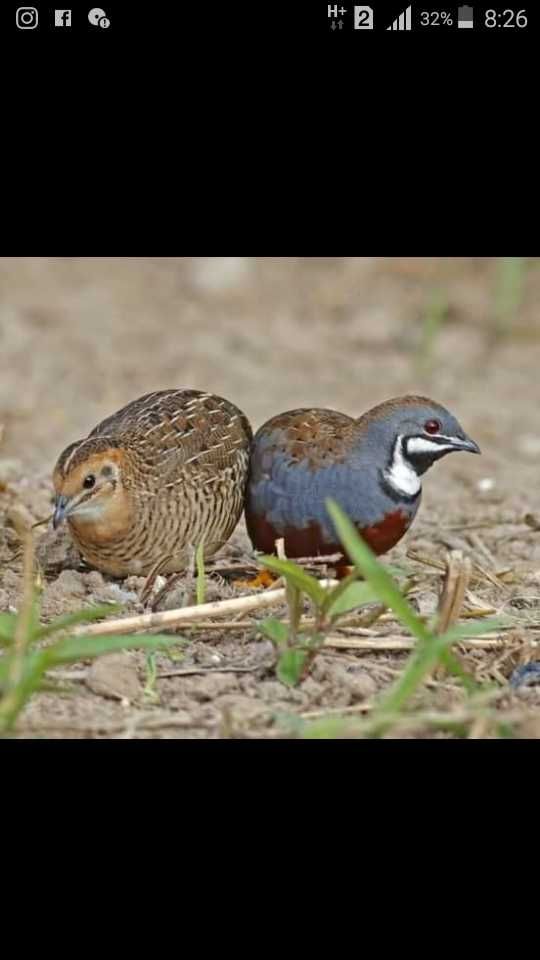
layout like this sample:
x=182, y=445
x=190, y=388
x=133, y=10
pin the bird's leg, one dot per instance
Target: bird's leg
x=166, y=588
x=265, y=578
x=146, y=592
x=188, y=575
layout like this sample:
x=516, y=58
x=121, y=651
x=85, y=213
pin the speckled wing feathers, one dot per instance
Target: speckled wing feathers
x=170, y=429
x=184, y=460
x=307, y=435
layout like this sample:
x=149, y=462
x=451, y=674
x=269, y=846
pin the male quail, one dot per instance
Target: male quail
x=371, y=466
x=154, y=480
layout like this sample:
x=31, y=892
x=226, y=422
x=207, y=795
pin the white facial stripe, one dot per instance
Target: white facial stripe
x=423, y=445
x=401, y=474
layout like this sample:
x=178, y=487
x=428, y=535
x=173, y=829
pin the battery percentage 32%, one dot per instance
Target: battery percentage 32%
x=436, y=18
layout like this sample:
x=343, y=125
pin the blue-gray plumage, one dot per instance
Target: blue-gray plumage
x=370, y=466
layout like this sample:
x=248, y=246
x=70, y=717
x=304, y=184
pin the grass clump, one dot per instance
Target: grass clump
x=296, y=646
x=24, y=662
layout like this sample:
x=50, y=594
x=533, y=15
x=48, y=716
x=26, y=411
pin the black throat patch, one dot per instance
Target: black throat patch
x=420, y=462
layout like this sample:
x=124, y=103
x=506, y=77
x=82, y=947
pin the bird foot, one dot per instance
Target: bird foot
x=146, y=593
x=263, y=579
x=166, y=589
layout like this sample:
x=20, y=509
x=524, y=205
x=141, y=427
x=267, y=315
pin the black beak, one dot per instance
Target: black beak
x=465, y=443
x=60, y=509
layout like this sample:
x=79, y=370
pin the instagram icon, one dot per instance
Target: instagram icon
x=26, y=18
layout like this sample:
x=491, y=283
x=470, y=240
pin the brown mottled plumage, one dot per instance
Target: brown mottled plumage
x=153, y=480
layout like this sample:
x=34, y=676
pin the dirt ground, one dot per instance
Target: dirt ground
x=79, y=338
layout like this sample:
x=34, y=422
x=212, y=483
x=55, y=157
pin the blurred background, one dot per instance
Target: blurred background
x=80, y=337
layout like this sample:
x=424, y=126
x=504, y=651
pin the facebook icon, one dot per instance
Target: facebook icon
x=62, y=18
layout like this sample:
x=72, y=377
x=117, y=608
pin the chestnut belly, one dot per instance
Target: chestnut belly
x=311, y=541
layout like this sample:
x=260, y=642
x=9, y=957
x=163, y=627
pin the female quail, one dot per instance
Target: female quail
x=152, y=481
x=370, y=466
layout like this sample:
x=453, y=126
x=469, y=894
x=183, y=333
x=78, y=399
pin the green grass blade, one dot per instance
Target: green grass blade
x=7, y=627
x=328, y=728
x=150, y=693
x=419, y=665
x=85, y=648
x=290, y=666
x=14, y=699
x=276, y=631
x=72, y=649
x=364, y=560
x=81, y=616
x=295, y=604
x=398, y=569
x=201, y=578
x=295, y=574
x=332, y=594
x=6, y=660
x=424, y=659
x=421, y=661
x=461, y=631
x=351, y=595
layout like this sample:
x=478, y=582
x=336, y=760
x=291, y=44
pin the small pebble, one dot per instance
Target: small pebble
x=114, y=593
x=173, y=600
x=94, y=580
x=485, y=484
x=114, y=675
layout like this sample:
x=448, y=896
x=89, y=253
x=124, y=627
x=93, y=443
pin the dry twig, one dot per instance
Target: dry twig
x=170, y=618
x=458, y=573
x=386, y=644
x=191, y=672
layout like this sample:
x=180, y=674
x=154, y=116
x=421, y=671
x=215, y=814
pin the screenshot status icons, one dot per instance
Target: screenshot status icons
x=343, y=18
x=31, y=18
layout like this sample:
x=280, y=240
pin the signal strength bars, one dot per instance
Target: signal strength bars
x=403, y=22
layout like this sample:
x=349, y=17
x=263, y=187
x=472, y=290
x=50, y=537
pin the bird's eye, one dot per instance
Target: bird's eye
x=432, y=426
x=89, y=481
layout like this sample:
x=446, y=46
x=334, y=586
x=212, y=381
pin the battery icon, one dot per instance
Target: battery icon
x=465, y=18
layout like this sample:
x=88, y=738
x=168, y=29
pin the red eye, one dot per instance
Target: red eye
x=432, y=426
